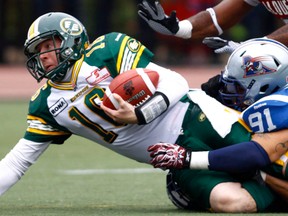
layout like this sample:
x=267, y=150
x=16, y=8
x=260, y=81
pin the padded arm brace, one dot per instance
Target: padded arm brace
x=152, y=108
x=170, y=89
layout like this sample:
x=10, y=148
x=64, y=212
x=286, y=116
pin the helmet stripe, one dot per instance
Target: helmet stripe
x=33, y=30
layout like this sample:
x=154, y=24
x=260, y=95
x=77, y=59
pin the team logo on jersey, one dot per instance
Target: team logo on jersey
x=58, y=107
x=133, y=45
x=98, y=76
x=256, y=66
x=71, y=26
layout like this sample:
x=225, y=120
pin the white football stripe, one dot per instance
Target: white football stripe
x=110, y=171
x=111, y=98
x=146, y=79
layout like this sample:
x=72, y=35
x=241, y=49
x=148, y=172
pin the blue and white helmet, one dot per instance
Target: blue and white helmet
x=255, y=69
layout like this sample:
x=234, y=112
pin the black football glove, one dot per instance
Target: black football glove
x=212, y=86
x=156, y=18
x=220, y=45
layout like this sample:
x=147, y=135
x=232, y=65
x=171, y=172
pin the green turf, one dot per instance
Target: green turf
x=49, y=189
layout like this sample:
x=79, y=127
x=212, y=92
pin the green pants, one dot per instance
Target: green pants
x=198, y=184
x=199, y=135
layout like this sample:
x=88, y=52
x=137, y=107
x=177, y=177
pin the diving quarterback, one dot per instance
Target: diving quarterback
x=58, y=49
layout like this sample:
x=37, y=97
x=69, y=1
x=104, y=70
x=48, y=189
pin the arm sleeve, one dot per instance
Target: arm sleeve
x=173, y=85
x=170, y=89
x=241, y=157
x=14, y=165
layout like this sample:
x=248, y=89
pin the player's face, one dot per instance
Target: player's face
x=48, y=56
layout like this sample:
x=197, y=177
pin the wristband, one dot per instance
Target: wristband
x=185, y=29
x=199, y=160
x=214, y=19
x=152, y=108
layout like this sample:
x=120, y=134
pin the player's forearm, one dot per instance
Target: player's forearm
x=164, y=97
x=264, y=149
x=227, y=14
x=242, y=157
x=275, y=143
x=14, y=165
x=171, y=84
x=202, y=26
x=280, y=35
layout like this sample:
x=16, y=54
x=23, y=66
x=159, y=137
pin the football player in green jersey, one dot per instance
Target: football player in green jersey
x=77, y=74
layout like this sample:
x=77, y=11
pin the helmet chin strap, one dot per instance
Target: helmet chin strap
x=59, y=76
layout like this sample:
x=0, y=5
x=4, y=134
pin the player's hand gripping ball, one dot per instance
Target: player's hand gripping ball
x=134, y=86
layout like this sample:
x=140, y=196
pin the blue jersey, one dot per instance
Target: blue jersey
x=269, y=114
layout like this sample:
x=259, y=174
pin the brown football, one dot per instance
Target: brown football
x=134, y=86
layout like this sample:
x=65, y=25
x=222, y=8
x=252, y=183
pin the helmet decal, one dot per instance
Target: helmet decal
x=33, y=30
x=256, y=66
x=55, y=26
x=71, y=26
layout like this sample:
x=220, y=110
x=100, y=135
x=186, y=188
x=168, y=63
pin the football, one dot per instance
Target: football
x=134, y=86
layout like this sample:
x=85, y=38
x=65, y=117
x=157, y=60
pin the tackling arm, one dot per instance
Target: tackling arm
x=210, y=22
x=280, y=35
x=14, y=165
x=228, y=13
x=248, y=156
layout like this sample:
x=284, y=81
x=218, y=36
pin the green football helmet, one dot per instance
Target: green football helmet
x=74, y=41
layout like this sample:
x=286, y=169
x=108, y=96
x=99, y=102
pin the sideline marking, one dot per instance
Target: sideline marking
x=110, y=171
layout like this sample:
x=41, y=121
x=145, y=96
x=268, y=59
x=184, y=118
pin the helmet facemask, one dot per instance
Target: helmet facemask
x=232, y=93
x=63, y=55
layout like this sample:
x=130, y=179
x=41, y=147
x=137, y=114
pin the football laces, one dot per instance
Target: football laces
x=143, y=101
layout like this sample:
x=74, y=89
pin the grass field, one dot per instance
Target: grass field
x=81, y=178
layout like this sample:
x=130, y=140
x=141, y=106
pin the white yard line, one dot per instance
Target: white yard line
x=110, y=171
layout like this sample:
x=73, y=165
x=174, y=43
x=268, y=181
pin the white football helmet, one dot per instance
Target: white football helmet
x=255, y=69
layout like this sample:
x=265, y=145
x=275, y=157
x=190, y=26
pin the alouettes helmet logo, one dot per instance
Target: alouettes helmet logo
x=257, y=66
